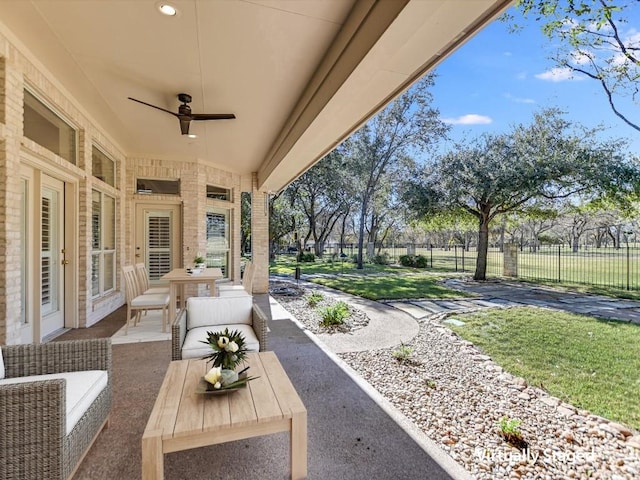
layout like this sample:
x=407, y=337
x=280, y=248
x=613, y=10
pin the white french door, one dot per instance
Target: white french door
x=158, y=239
x=51, y=256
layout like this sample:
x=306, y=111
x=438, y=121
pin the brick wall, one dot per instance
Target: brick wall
x=18, y=70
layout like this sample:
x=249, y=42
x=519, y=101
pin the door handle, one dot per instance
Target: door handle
x=65, y=262
x=137, y=255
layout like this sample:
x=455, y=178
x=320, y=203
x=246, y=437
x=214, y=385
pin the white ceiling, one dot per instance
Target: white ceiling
x=298, y=74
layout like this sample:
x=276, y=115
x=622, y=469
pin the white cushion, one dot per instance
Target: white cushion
x=194, y=348
x=212, y=311
x=1, y=365
x=154, y=290
x=230, y=287
x=240, y=292
x=151, y=300
x=82, y=388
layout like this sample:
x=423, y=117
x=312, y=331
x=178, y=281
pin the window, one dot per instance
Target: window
x=46, y=128
x=158, y=187
x=103, y=256
x=218, y=239
x=103, y=167
x=218, y=193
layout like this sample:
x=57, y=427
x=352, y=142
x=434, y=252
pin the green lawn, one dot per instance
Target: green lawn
x=390, y=287
x=376, y=282
x=287, y=265
x=593, y=364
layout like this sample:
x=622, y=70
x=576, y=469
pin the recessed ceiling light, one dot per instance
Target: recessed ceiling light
x=167, y=9
x=192, y=135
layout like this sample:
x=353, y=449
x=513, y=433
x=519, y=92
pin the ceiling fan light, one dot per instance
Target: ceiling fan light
x=167, y=9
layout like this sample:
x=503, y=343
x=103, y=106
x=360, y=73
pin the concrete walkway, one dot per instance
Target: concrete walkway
x=503, y=293
x=388, y=326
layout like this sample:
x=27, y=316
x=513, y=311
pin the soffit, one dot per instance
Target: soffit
x=262, y=60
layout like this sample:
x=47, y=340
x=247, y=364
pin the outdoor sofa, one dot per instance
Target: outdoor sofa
x=204, y=314
x=55, y=399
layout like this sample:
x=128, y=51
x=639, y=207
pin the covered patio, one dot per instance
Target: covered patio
x=91, y=181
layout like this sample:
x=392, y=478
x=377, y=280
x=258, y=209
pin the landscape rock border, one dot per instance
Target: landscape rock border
x=456, y=394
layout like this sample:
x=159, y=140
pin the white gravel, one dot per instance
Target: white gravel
x=295, y=300
x=457, y=395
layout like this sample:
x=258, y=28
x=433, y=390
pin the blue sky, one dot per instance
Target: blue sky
x=498, y=79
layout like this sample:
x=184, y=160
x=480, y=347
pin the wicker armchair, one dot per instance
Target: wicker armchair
x=216, y=314
x=33, y=439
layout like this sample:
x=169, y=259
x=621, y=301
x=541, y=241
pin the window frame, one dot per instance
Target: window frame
x=101, y=252
x=225, y=252
x=63, y=118
x=95, y=146
x=229, y=193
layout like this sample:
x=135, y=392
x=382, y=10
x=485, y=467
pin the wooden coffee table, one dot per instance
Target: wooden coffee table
x=182, y=419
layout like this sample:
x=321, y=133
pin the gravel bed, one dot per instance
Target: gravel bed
x=457, y=396
x=295, y=300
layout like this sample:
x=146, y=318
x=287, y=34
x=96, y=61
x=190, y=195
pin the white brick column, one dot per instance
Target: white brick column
x=259, y=237
x=11, y=110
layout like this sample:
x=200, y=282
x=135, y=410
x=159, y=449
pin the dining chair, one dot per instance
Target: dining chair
x=143, y=281
x=239, y=290
x=137, y=301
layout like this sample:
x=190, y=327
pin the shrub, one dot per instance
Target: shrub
x=334, y=315
x=421, y=261
x=510, y=432
x=307, y=257
x=381, y=259
x=403, y=352
x=407, y=260
x=314, y=299
x=509, y=426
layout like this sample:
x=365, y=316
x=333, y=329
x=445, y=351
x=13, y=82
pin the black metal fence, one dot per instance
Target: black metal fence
x=605, y=266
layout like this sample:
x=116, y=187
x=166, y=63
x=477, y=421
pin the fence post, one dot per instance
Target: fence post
x=455, y=255
x=510, y=260
x=431, y=253
x=628, y=265
x=463, y=258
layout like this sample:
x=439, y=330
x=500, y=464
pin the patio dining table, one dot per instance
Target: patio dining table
x=179, y=277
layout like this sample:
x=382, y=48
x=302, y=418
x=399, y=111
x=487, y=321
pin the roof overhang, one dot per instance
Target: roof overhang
x=300, y=75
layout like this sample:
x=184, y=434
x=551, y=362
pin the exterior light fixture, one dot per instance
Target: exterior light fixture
x=167, y=9
x=192, y=135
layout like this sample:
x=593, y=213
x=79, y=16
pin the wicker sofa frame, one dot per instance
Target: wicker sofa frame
x=33, y=440
x=179, y=331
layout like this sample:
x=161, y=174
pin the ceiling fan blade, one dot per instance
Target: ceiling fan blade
x=149, y=105
x=184, y=125
x=212, y=116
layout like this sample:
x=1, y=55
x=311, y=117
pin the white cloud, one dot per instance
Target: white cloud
x=581, y=58
x=508, y=96
x=558, y=75
x=468, y=119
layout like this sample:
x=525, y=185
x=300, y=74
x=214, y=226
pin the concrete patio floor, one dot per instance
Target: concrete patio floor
x=352, y=431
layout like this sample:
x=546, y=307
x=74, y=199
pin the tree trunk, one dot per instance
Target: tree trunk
x=483, y=247
x=363, y=218
x=342, y=234
x=361, y=235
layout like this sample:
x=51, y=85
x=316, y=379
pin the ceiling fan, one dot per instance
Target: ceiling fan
x=184, y=113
